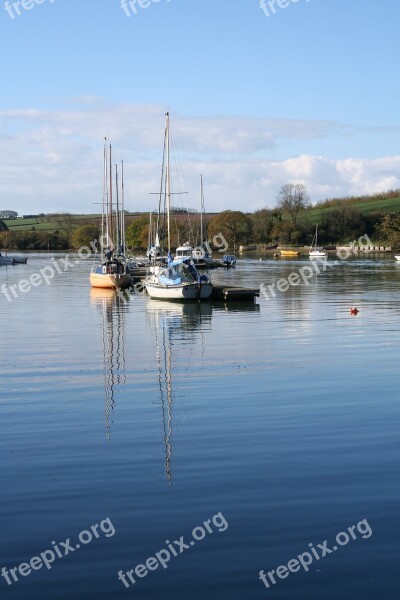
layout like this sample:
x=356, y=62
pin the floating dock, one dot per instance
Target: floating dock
x=227, y=292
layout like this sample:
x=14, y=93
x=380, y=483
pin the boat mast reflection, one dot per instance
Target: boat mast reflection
x=113, y=310
x=171, y=322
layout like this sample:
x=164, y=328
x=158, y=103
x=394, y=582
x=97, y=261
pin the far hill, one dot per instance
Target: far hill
x=387, y=202
x=379, y=204
x=339, y=220
x=65, y=222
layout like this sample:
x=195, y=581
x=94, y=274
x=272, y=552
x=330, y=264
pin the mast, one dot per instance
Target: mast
x=168, y=182
x=201, y=209
x=118, y=215
x=150, y=232
x=104, y=220
x=122, y=209
x=110, y=214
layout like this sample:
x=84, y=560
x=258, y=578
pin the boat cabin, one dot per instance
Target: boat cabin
x=184, y=251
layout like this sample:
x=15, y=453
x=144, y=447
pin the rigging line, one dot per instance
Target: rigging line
x=118, y=212
x=111, y=229
x=178, y=167
x=162, y=187
x=181, y=186
x=123, y=208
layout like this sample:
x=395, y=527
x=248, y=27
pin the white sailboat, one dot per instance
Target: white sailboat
x=112, y=271
x=179, y=280
x=316, y=252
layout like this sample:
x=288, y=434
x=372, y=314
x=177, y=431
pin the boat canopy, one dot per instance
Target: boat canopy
x=179, y=261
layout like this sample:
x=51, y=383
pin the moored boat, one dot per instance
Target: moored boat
x=6, y=260
x=316, y=252
x=113, y=270
x=179, y=279
x=13, y=260
x=228, y=260
x=110, y=275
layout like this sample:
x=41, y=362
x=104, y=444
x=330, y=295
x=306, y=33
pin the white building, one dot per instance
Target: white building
x=8, y=214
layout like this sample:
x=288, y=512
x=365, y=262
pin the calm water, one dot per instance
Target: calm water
x=282, y=416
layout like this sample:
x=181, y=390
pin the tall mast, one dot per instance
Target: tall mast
x=201, y=209
x=122, y=208
x=105, y=200
x=118, y=215
x=168, y=182
x=150, y=232
x=111, y=231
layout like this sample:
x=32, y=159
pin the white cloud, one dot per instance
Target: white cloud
x=52, y=160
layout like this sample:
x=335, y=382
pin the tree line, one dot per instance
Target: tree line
x=289, y=223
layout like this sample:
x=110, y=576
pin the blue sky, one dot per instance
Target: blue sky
x=308, y=93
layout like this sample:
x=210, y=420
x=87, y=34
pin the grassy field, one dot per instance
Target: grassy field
x=373, y=205
x=48, y=223
x=314, y=215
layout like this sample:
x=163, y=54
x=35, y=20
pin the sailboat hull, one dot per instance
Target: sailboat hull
x=6, y=260
x=110, y=281
x=183, y=291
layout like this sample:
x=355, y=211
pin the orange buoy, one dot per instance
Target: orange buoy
x=354, y=311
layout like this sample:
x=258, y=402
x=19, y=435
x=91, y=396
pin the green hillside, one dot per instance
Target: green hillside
x=367, y=206
x=48, y=222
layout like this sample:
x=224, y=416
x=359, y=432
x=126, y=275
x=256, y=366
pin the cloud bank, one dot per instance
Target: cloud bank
x=52, y=159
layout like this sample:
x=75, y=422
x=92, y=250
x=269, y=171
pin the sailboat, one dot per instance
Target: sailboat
x=201, y=254
x=113, y=271
x=179, y=280
x=316, y=252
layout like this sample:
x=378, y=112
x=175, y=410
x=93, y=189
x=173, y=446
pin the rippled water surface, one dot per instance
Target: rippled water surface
x=152, y=418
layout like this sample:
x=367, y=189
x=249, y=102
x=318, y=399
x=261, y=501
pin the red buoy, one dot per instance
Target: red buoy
x=354, y=310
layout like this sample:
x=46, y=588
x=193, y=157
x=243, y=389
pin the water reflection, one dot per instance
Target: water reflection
x=176, y=327
x=113, y=310
x=235, y=307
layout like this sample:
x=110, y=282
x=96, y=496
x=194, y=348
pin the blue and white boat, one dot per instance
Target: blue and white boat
x=228, y=260
x=179, y=280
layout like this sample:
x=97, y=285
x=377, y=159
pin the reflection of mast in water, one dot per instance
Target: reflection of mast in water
x=165, y=394
x=113, y=342
x=169, y=319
